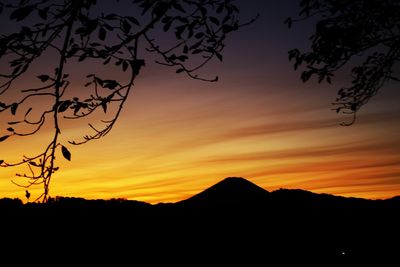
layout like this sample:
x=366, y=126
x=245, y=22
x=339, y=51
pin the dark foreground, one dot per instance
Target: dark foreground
x=232, y=223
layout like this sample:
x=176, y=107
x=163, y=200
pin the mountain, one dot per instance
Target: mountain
x=234, y=222
x=237, y=192
x=230, y=192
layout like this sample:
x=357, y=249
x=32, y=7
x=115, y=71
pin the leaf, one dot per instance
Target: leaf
x=82, y=57
x=196, y=45
x=78, y=106
x=137, y=65
x=107, y=61
x=4, y=138
x=64, y=105
x=102, y=34
x=80, y=30
x=43, y=78
x=104, y=106
x=72, y=51
x=167, y=25
x=214, y=20
x=125, y=65
x=190, y=33
x=66, y=153
x=220, y=8
x=14, y=108
x=108, y=27
x=197, y=51
x=183, y=58
x=111, y=17
x=17, y=69
x=177, y=6
x=199, y=35
x=185, y=49
x=294, y=53
x=219, y=56
x=21, y=13
x=289, y=22
x=91, y=25
x=99, y=81
x=110, y=84
x=183, y=20
x=126, y=27
x=33, y=163
x=179, y=30
x=227, y=28
x=354, y=107
x=43, y=13
x=133, y=20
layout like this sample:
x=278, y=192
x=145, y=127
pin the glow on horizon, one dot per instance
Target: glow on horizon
x=173, y=150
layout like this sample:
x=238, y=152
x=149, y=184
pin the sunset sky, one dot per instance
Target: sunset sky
x=178, y=136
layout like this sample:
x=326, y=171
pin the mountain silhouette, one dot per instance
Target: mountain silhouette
x=232, y=192
x=232, y=221
x=237, y=192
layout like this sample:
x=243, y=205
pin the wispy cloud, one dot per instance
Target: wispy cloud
x=305, y=153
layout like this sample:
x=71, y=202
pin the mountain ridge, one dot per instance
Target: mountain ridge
x=233, y=220
x=230, y=191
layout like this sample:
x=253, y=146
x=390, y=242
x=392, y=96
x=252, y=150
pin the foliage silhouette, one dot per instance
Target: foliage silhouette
x=76, y=33
x=345, y=33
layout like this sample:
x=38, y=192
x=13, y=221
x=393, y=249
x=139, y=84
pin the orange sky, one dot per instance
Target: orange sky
x=177, y=137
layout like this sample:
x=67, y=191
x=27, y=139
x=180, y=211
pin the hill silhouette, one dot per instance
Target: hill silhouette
x=230, y=192
x=237, y=192
x=231, y=222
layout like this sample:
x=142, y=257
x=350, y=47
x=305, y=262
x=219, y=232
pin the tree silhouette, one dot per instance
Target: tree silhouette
x=363, y=33
x=196, y=32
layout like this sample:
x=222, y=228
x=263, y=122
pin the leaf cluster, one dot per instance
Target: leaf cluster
x=347, y=33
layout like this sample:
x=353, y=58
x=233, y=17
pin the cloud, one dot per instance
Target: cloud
x=216, y=136
x=306, y=153
x=302, y=125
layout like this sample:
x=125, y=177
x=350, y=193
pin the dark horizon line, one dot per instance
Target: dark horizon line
x=57, y=198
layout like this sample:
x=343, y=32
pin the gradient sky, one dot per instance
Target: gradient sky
x=178, y=136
